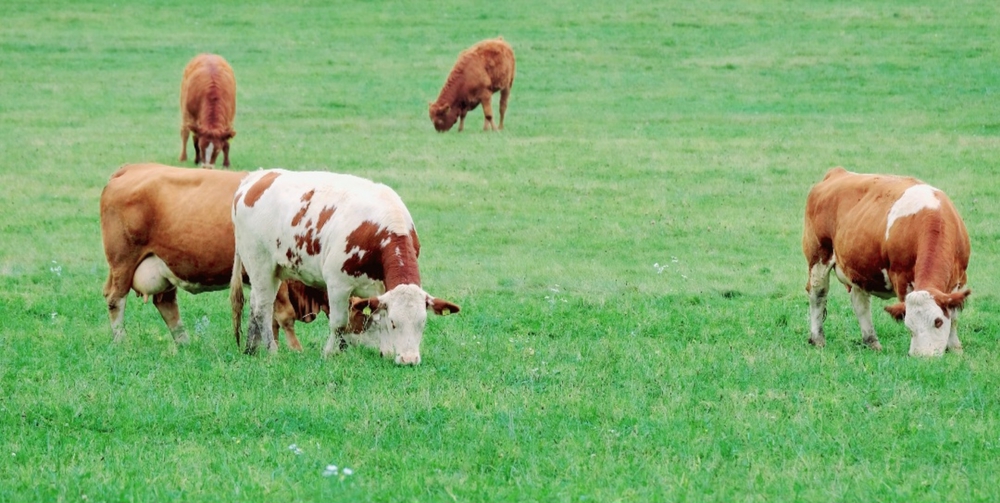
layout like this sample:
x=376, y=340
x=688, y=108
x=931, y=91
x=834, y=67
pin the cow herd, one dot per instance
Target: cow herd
x=310, y=242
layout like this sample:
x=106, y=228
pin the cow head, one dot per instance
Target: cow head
x=443, y=116
x=209, y=144
x=399, y=316
x=928, y=316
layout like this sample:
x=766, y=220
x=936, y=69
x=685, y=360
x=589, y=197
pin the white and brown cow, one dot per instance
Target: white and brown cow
x=166, y=228
x=340, y=232
x=887, y=236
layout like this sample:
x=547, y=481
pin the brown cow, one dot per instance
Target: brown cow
x=887, y=236
x=166, y=228
x=480, y=71
x=208, y=107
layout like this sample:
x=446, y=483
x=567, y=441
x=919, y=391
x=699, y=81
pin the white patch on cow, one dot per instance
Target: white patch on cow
x=385, y=242
x=928, y=324
x=914, y=199
x=357, y=250
x=888, y=282
x=206, y=159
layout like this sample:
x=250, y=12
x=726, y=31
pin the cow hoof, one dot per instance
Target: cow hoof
x=817, y=342
x=875, y=345
x=182, y=340
x=957, y=350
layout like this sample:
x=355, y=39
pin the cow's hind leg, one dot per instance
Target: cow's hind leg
x=504, y=94
x=166, y=304
x=116, y=299
x=819, y=289
x=260, y=328
x=861, y=302
x=284, y=316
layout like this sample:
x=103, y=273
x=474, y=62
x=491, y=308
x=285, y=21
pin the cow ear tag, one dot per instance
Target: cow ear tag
x=367, y=311
x=445, y=312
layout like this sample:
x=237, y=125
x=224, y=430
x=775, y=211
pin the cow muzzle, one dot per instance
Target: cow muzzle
x=408, y=359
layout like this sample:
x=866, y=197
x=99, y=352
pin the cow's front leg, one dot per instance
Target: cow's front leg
x=336, y=342
x=184, y=143
x=461, y=121
x=166, y=304
x=954, y=345
x=819, y=290
x=861, y=302
x=504, y=94
x=488, y=113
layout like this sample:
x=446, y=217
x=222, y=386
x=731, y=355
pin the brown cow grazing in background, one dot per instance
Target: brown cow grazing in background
x=208, y=107
x=480, y=71
x=166, y=228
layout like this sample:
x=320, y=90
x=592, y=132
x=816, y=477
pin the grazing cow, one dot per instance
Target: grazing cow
x=480, y=71
x=166, y=228
x=887, y=236
x=208, y=107
x=340, y=232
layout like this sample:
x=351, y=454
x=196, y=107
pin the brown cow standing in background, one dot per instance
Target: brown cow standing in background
x=480, y=71
x=208, y=107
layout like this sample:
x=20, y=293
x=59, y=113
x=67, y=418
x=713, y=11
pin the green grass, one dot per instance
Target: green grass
x=679, y=134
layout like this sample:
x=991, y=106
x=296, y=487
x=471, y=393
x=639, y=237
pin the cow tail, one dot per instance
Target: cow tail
x=236, y=296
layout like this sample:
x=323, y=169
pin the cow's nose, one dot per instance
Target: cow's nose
x=408, y=359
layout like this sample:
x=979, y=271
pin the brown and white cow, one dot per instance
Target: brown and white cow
x=887, y=236
x=480, y=71
x=339, y=232
x=166, y=228
x=208, y=107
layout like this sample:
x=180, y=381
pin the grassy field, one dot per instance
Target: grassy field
x=626, y=254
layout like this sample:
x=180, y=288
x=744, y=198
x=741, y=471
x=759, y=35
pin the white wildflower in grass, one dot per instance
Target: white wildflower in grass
x=56, y=268
x=330, y=470
x=295, y=449
x=659, y=268
x=348, y=472
x=201, y=327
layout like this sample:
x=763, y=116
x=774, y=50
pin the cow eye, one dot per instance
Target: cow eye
x=938, y=322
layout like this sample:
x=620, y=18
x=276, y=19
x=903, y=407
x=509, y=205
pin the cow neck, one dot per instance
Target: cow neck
x=935, y=256
x=399, y=261
x=454, y=82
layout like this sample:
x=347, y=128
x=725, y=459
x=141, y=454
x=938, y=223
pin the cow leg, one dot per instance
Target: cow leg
x=284, y=315
x=504, y=94
x=819, y=289
x=116, y=295
x=197, y=149
x=259, y=330
x=184, y=143
x=339, y=299
x=461, y=121
x=954, y=345
x=166, y=303
x=225, y=155
x=861, y=302
x=487, y=101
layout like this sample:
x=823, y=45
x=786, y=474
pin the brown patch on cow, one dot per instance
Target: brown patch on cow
x=381, y=255
x=307, y=199
x=324, y=216
x=308, y=242
x=257, y=190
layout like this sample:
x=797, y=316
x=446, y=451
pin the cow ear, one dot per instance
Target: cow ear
x=365, y=306
x=442, y=307
x=954, y=300
x=897, y=310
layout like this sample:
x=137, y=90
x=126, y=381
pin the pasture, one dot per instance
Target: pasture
x=626, y=254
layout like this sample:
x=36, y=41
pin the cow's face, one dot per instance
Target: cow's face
x=443, y=116
x=398, y=317
x=929, y=318
x=210, y=146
